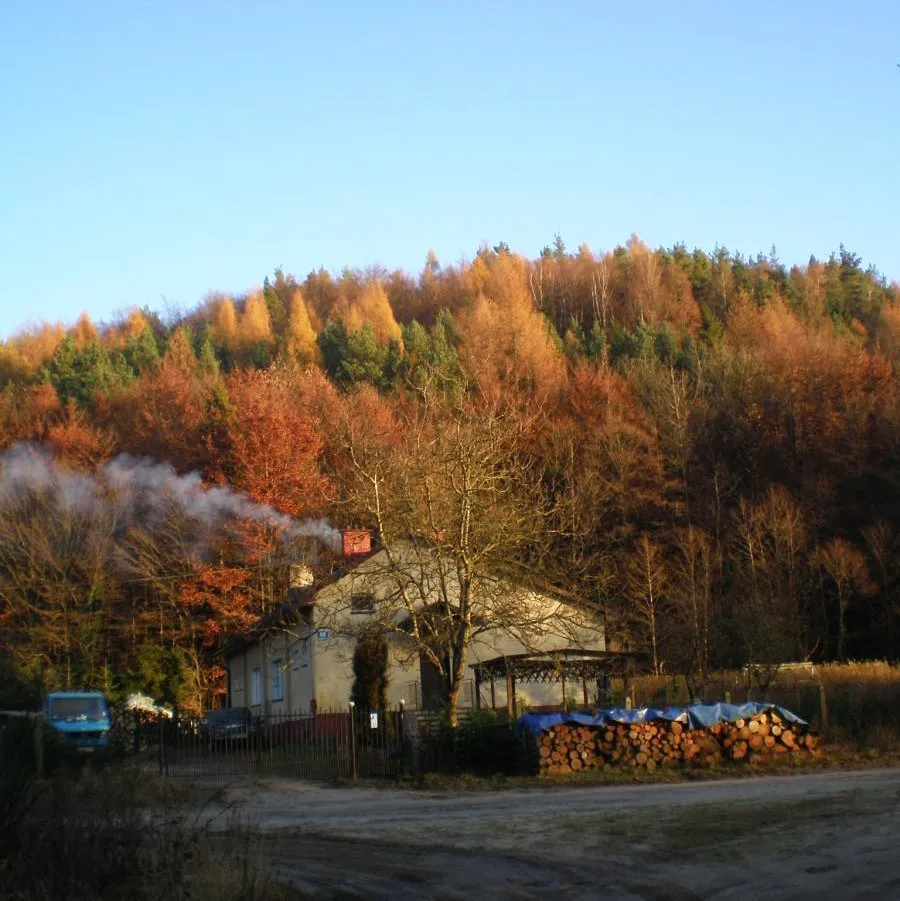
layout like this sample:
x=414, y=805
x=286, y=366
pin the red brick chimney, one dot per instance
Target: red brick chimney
x=356, y=542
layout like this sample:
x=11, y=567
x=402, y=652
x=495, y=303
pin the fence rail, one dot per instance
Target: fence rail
x=328, y=745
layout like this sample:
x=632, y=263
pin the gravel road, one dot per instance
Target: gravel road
x=814, y=836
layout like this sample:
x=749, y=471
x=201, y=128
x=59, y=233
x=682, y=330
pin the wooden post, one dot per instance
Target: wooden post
x=563, y=679
x=493, y=695
x=477, y=689
x=510, y=696
x=823, y=709
x=584, y=692
x=38, y=747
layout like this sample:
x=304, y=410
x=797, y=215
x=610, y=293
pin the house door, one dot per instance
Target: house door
x=434, y=685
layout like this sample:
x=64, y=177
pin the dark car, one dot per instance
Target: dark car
x=228, y=724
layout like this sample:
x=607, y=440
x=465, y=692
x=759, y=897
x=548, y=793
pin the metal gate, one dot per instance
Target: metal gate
x=330, y=745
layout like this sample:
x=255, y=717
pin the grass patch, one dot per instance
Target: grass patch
x=862, y=698
x=120, y=833
x=723, y=830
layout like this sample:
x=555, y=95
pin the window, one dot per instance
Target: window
x=362, y=603
x=91, y=709
x=277, y=684
x=256, y=688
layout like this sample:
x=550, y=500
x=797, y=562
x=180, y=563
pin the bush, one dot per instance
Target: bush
x=483, y=745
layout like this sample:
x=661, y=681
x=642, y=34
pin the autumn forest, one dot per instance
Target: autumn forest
x=703, y=446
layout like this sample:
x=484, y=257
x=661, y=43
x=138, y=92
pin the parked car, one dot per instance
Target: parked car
x=79, y=718
x=228, y=724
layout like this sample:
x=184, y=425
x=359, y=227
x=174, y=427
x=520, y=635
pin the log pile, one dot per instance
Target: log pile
x=132, y=729
x=568, y=748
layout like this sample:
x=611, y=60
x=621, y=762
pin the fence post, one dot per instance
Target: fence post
x=176, y=739
x=823, y=709
x=38, y=747
x=160, y=742
x=400, y=740
x=353, y=773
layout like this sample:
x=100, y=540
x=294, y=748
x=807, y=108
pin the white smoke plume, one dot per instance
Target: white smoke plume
x=137, y=488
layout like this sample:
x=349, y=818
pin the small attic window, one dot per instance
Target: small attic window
x=362, y=603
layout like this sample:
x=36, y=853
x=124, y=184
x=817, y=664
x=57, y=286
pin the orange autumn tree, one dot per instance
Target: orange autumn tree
x=273, y=446
x=174, y=413
x=26, y=413
x=214, y=602
x=78, y=442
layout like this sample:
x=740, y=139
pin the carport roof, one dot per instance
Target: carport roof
x=554, y=666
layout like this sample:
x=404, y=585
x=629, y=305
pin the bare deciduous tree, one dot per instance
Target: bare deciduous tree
x=692, y=597
x=463, y=525
x=647, y=580
x=55, y=583
x=845, y=566
x=882, y=541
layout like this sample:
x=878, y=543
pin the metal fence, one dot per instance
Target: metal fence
x=328, y=745
x=340, y=744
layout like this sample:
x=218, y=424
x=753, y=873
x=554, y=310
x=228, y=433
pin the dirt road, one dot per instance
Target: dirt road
x=832, y=835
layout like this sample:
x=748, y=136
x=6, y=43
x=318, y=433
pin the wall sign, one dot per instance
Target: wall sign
x=323, y=634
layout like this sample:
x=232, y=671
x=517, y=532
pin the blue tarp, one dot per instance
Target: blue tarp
x=697, y=716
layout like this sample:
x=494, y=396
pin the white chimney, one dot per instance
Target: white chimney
x=301, y=575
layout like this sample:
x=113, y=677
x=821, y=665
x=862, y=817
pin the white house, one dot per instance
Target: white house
x=298, y=660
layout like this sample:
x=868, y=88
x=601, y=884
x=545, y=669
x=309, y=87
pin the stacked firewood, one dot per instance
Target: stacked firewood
x=567, y=748
x=121, y=723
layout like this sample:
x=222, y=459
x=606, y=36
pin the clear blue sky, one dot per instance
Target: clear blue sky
x=154, y=151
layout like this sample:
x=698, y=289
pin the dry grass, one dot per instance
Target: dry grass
x=716, y=830
x=863, y=699
x=121, y=833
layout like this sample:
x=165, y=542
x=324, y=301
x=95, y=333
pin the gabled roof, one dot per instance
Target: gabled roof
x=299, y=600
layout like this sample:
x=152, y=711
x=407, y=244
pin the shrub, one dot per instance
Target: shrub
x=483, y=744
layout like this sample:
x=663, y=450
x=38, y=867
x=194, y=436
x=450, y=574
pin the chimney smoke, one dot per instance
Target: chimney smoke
x=135, y=490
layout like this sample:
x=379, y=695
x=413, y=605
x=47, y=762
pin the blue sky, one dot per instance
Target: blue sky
x=152, y=152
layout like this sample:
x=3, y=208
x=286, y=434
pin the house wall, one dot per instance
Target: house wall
x=287, y=653
x=550, y=624
x=316, y=659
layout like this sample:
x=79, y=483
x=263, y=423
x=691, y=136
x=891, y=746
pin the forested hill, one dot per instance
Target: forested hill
x=711, y=444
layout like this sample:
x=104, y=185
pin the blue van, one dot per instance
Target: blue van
x=79, y=718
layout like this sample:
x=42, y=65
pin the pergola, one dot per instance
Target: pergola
x=565, y=666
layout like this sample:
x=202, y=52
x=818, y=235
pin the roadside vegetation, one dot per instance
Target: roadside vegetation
x=120, y=833
x=862, y=698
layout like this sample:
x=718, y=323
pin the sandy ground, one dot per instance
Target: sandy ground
x=833, y=835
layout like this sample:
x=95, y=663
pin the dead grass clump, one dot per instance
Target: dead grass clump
x=117, y=834
x=862, y=697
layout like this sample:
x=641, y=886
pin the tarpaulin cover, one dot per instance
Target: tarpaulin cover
x=696, y=716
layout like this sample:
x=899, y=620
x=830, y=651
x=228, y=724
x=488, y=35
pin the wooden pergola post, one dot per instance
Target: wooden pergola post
x=564, y=667
x=510, y=694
